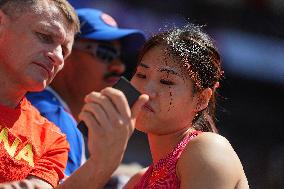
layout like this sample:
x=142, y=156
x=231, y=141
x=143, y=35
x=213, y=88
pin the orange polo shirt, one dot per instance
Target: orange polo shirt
x=30, y=145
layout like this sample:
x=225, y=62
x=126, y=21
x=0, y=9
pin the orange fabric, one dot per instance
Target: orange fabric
x=30, y=145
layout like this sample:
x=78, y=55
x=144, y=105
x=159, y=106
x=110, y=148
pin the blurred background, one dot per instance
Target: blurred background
x=250, y=37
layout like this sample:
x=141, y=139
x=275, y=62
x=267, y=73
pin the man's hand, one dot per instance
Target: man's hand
x=110, y=123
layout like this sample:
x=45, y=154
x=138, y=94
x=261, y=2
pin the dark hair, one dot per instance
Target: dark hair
x=197, y=54
x=14, y=8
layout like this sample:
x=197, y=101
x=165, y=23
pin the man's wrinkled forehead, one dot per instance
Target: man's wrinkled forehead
x=49, y=10
x=52, y=19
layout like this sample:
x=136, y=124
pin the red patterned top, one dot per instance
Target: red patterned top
x=163, y=173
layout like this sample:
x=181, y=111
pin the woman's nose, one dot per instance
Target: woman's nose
x=149, y=89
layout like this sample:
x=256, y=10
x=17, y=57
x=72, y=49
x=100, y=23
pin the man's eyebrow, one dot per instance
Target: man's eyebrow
x=53, y=30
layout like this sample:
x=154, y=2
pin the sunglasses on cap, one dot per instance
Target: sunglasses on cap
x=106, y=52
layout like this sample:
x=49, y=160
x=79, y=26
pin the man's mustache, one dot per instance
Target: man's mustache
x=111, y=74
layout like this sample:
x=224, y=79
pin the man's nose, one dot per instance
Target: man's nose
x=117, y=66
x=56, y=55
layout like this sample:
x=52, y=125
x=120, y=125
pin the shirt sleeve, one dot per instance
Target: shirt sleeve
x=50, y=167
x=68, y=126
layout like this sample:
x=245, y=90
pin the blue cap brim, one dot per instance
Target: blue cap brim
x=134, y=38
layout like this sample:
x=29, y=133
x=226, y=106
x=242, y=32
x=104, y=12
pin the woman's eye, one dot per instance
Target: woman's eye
x=139, y=75
x=166, y=82
x=44, y=37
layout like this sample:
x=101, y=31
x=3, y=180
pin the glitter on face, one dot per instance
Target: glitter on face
x=171, y=99
x=166, y=58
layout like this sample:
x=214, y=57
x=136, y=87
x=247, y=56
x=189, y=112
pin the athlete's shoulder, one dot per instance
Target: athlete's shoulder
x=210, y=155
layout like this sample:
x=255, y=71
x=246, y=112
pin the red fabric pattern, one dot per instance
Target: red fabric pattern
x=30, y=145
x=162, y=175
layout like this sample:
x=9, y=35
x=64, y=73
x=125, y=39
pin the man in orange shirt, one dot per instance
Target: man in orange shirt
x=35, y=39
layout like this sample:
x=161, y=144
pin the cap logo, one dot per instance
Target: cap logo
x=108, y=20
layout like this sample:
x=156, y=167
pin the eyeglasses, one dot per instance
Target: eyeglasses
x=107, y=53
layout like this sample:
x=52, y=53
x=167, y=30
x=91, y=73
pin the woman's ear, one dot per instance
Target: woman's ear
x=203, y=99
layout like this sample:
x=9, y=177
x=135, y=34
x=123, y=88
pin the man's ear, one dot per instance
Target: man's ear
x=203, y=99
